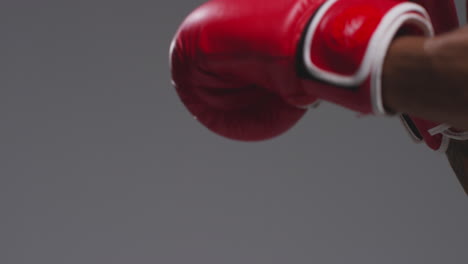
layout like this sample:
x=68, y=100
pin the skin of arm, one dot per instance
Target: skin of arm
x=428, y=77
x=457, y=155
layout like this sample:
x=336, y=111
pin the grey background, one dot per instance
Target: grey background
x=101, y=163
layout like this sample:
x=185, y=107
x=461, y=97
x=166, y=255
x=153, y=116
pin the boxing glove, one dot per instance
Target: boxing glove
x=249, y=69
x=437, y=136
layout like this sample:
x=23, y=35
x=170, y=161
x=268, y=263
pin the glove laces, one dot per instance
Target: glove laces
x=447, y=131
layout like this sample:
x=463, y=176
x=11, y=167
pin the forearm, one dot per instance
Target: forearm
x=424, y=78
x=404, y=76
x=457, y=155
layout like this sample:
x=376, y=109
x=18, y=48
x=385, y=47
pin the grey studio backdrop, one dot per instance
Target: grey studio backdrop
x=101, y=163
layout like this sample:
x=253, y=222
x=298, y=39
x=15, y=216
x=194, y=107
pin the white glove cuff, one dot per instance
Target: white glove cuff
x=372, y=63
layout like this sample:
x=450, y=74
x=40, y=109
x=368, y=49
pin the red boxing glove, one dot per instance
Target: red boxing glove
x=247, y=69
x=437, y=136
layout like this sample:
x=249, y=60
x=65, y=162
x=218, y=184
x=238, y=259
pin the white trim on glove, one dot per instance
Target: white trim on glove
x=373, y=60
